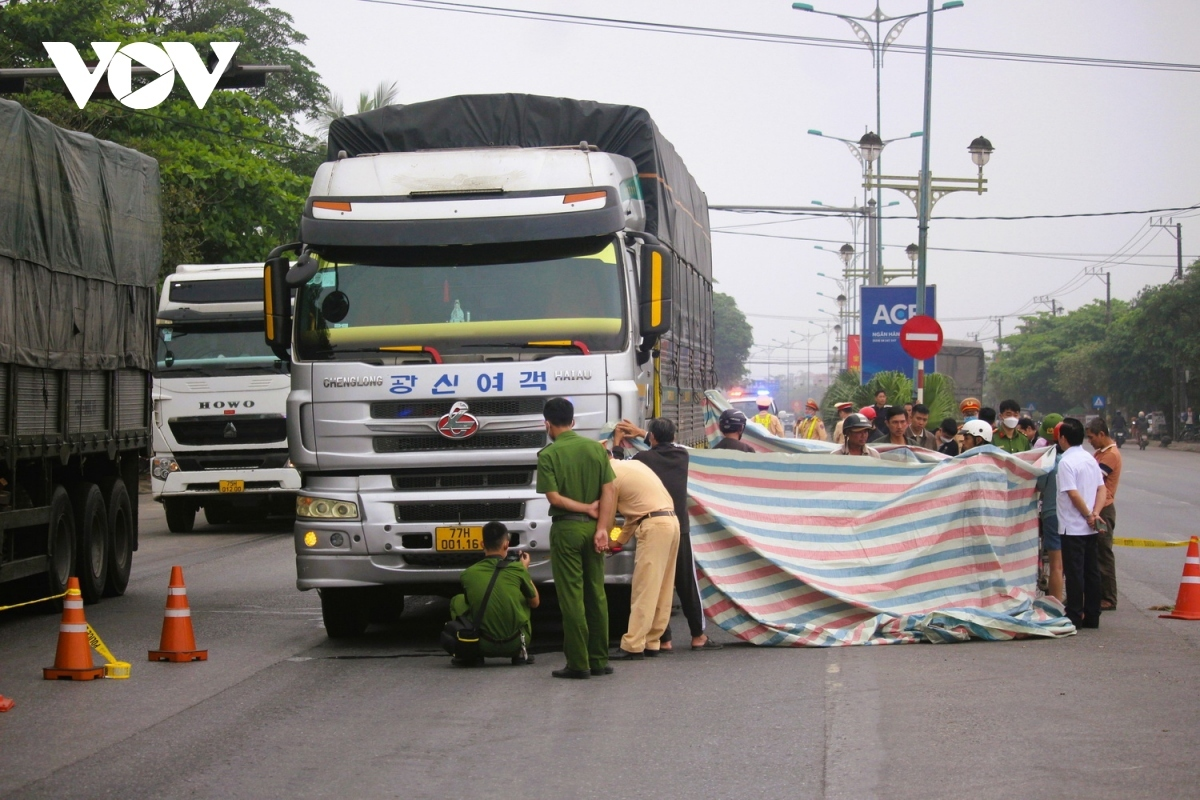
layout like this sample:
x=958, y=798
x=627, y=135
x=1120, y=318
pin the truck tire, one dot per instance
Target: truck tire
x=345, y=611
x=120, y=535
x=218, y=514
x=386, y=605
x=181, y=514
x=91, y=537
x=60, y=544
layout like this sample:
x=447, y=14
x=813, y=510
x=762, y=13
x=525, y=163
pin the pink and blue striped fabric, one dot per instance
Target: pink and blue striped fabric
x=797, y=547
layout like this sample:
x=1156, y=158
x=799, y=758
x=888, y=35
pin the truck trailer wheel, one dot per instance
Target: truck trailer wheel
x=345, y=611
x=91, y=536
x=181, y=514
x=120, y=535
x=60, y=543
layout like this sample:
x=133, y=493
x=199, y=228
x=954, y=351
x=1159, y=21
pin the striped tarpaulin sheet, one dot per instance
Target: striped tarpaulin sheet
x=799, y=547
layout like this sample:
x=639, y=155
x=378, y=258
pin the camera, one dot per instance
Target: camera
x=513, y=555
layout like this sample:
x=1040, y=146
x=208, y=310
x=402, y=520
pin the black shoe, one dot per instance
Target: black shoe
x=601, y=671
x=625, y=655
x=648, y=653
x=521, y=661
x=575, y=674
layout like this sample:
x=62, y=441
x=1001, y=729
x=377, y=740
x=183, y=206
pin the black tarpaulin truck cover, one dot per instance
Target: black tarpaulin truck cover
x=80, y=247
x=676, y=209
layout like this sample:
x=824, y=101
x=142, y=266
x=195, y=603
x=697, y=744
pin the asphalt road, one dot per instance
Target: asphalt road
x=278, y=710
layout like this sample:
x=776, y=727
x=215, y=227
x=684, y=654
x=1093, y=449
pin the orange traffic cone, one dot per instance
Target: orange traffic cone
x=178, y=643
x=6, y=703
x=1187, y=604
x=73, y=661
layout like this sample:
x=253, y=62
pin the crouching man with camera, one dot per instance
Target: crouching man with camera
x=491, y=618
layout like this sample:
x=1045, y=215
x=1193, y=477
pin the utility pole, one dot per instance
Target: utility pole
x=999, y=333
x=1107, y=298
x=1163, y=222
x=1053, y=307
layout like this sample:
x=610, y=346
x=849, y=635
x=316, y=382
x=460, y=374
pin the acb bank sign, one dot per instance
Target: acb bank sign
x=885, y=309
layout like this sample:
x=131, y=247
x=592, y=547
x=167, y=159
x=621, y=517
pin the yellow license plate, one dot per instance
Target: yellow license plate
x=458, y=539
x=239, y=486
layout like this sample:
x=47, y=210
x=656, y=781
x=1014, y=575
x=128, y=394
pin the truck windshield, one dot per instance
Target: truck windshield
x=214, y=348
x=349, y=309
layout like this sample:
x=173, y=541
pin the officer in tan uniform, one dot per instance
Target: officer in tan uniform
x=649, y=514
x=765, y=418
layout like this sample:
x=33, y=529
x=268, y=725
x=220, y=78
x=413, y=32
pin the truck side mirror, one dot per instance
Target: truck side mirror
x=657, y=291
x=277, y=304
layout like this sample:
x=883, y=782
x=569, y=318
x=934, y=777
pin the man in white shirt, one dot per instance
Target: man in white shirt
x=1080, y=498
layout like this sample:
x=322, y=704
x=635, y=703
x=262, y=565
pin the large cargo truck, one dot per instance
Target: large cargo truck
x=220, y=396
x=461, y=261
x=80, y=248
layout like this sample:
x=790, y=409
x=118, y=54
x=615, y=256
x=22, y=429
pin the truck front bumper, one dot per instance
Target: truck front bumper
x=208, y=482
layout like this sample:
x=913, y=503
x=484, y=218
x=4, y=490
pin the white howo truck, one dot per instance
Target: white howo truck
x=220, y=398
x=461, y=261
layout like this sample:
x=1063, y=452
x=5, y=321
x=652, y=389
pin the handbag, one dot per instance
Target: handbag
x=461, y=636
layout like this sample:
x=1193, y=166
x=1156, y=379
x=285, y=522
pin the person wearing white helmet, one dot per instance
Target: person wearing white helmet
x=857, y=429
x=765, y=418
x=975, y=433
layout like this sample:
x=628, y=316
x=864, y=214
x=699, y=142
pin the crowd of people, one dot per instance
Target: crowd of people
x=587, y=483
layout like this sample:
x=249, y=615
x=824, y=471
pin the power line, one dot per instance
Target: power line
x=1075, y=215
x=1089, y=258
x=777, y=38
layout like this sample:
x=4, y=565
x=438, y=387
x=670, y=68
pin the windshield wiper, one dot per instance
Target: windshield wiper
x=563, y=343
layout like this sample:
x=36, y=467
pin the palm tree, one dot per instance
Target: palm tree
x=333, y=108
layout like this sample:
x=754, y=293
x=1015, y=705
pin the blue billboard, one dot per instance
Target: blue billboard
x=885, y=309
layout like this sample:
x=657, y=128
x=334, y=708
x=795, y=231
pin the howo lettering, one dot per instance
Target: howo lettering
x=492, y=250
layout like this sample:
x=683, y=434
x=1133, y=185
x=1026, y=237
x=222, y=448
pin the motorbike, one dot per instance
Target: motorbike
x=1119, y=438
x=1143, y=440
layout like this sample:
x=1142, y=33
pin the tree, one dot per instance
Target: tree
x=235, y=174
x=939, y=393
x=732, y=338
x=332, y=107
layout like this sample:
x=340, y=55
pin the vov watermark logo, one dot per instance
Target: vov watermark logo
x=166, y=59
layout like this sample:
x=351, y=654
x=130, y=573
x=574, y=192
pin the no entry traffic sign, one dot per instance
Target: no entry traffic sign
x=921, y=337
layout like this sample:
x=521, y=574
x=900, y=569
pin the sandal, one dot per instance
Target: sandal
x=709, y=644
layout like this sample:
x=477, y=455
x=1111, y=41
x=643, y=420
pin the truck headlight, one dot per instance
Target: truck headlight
x=325, y=508
x=162, y=467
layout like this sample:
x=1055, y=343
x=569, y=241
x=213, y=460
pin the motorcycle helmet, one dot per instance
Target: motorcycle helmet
x=731, y=421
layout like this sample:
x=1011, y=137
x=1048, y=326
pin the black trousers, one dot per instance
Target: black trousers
x=1081, y=565
x=687, y=589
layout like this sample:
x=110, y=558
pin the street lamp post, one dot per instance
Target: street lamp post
x=878, y=45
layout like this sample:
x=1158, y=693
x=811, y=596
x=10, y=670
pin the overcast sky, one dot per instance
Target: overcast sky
x=1069, y=139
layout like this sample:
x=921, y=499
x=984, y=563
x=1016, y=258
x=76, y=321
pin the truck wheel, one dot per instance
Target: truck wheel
x=181, y=514
x=120, y=535
x=91, y=536
x=345, y=612
x=216, y=514
x=387, y=604
x=60, y=544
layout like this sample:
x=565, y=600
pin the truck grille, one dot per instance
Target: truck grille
x=239, y=459
x=480, y=441
x=497, y=407
x=462, y=478
x=459, y=512
x=232, y=429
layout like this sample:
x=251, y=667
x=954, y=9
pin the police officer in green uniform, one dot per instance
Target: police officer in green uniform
x=506, y=628
x=576, y=477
